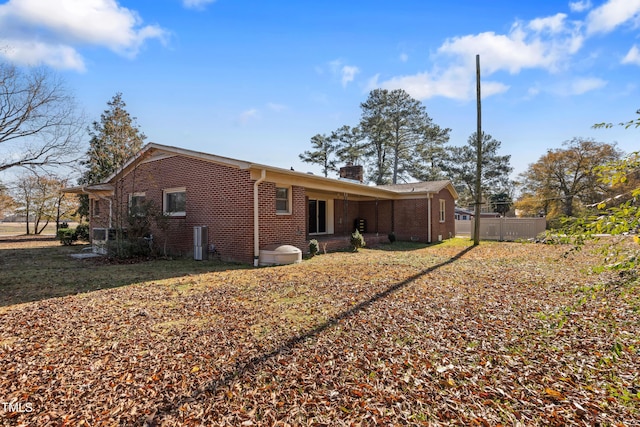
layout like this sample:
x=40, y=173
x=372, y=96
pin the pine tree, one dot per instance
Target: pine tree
x=395, y=126
x=460, y=166
x=321, y=155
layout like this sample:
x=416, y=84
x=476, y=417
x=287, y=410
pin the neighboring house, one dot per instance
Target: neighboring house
x=467, y=215
x=248, y=206
x=463, y=214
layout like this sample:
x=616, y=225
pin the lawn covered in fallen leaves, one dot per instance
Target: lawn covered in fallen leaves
x=499, y=334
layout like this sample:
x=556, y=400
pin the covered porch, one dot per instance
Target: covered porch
x=332, y=243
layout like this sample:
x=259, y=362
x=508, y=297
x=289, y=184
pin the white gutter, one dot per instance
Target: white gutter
x=429, y=216
x=256, y=218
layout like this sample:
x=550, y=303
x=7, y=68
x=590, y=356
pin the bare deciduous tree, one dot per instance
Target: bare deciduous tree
x=40, y=200
x=6, y=201
x=39, y=123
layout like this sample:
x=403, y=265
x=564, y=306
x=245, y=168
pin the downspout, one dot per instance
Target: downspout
x=430, y=218
x=256, y=218
x=110, y=213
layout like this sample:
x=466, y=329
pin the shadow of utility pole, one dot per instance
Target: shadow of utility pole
x=242, y=368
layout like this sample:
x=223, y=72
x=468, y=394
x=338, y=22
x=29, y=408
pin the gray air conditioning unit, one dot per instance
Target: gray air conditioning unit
x=200, y=242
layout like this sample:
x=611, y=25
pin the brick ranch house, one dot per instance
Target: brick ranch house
x=248, y=206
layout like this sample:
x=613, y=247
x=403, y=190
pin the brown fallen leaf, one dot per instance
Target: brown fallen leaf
x=554, y=394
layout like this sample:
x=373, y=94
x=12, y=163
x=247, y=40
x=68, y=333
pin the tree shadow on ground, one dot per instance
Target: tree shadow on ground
x=245, y=367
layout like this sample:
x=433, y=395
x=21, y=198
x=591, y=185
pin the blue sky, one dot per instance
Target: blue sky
x=255, y=80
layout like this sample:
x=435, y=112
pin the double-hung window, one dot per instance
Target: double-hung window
x=95, y=207
x=136, y=204
x=283, y=200
x=174, y=201
x=443, y=205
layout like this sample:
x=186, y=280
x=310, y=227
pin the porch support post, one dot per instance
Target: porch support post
x=345, y=215
x=377, y=216
x=256, y=218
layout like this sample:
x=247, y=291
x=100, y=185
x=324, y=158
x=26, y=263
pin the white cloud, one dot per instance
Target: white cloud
x=533, y=92
x=580, y=6
x=554, y=24
x=249, y=115
x=578, y=86
x=633, y=56
x=587, y=84
x=34, y=53
x=196, y=4
x=455, y=83
x=544, y=43
x=348, y=74
x=404, y=57
x=612, y=14
x=64, y=25
x=276, y=107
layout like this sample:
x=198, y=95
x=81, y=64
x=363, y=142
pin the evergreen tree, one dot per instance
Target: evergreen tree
x=395, y=138
x=430, y=153
x=349, y=144
x=501, y=202
x=394, y=124
x=460, y=165
x=114, y=139
x=322, y=154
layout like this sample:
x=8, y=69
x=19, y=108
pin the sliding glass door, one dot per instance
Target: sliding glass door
x=317, y=216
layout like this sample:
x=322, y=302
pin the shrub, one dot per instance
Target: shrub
x=64, y=225
x=67, y=236
x=357, y=241
x=82, y=232
x=392, y=237
x=313, y=247
x=124, y=245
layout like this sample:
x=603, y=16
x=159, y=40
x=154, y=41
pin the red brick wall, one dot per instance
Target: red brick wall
x=287, y=229
x=219, y=197
x=447, y=228
x=378, y=218
x=411, y=219
x=345, y=214
x=102, y=219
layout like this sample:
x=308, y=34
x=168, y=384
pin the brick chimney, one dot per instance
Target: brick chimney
x=350, y=171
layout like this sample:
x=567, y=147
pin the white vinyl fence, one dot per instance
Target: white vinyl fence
x=503, y=228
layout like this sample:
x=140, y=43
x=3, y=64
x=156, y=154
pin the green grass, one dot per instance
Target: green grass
x=41, y=269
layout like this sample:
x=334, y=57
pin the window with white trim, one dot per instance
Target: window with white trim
x=443, y=206
x=136, y=204
x=283, y=200
x=174, y=201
